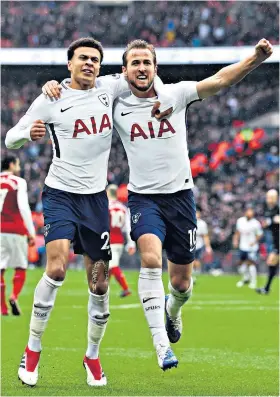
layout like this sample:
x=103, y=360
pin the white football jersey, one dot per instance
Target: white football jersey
x=157, y=151
x=201, y=231
x=80, y=127
x=249, y=229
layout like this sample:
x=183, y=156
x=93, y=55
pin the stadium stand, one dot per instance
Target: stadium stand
x=165, y=24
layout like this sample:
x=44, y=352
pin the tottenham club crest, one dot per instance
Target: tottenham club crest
x=104, y=99
x=135, y=218
x=46, y=229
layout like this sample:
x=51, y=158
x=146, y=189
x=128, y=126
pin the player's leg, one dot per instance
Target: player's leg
x=20, y=263
x=6, y=253
x=272, y=264
x=115, y=270
x=152, y=296
x=93, y=241
x=180, y=290
x=180, y=244
x=98, y=314
x=18, y=283
x=243, y=269
x=252, y=269
x=44, y=299
x=148, y=230
x=4, y=307
x=197, y=263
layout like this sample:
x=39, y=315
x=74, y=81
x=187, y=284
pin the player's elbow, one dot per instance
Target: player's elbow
x=8, y=143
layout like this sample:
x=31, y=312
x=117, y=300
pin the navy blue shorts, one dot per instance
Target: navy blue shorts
x=248, y=256
x=80, y=218
x=171, y=217
x=199, y=252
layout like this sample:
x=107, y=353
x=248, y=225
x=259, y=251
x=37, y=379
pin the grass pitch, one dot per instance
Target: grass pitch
x=229, y=345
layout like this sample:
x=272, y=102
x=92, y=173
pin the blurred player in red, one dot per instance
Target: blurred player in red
x=119, y=224
x=16, y=225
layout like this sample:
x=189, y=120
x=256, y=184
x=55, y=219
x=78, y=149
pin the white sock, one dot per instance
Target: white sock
x=98, y=314
x=253, y=274
x=177, y=299
x=44, y=298
x=151, y=293
x=244, y=271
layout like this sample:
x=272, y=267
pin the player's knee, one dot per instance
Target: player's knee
x=57, y=274
x=56, y=267
x=181, y=282
x=99, y=288
x=151, y=260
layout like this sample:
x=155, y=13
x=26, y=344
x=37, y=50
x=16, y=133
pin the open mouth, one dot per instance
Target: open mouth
x=87, y=72
x=142, y=77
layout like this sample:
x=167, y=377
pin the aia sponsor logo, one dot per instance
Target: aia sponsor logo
x=82, y=127
x=165, y=131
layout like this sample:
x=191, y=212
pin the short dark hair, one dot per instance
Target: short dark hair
x=141, y=44
x=198, y=208
x=85, y=42
x=7, y=160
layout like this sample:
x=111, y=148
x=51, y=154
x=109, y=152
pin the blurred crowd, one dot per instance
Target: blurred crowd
x=224, y=194
x=163, y=23
x=221, y=193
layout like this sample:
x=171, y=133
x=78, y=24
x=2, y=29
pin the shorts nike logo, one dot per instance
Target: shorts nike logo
x=192, y=249
x=148, y=299
x=64, y=110
x=124, y=114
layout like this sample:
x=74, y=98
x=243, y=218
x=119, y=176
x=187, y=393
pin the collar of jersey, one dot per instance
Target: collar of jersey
x=65, y=83
x=137, y=99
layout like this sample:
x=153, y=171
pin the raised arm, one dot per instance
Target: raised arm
x=234, y=73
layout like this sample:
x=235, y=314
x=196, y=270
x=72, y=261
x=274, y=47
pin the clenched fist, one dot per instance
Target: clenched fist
x=263, y=50
x=156, y=112
x=38, y=130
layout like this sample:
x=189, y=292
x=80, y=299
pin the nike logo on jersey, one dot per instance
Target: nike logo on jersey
x=64, y=110
x=124, y=114
x=148, y=299
x=192, y=249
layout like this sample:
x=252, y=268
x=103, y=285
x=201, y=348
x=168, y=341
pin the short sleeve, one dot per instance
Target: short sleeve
x=238, y=225
x=114, y=82
x=184, y=93
x=205, y=228
x=259, y=231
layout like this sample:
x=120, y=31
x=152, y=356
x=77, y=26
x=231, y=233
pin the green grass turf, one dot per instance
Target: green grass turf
x=229, y=346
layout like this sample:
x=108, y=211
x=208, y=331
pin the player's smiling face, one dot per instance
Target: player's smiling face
x=84, y=67
x=140, y=69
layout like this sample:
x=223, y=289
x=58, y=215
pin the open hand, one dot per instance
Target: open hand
x=52, y=89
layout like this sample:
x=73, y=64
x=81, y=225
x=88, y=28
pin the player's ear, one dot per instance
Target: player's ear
x=98, y=71
x=69, y=65
x=155, y=69
x=124, y=70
